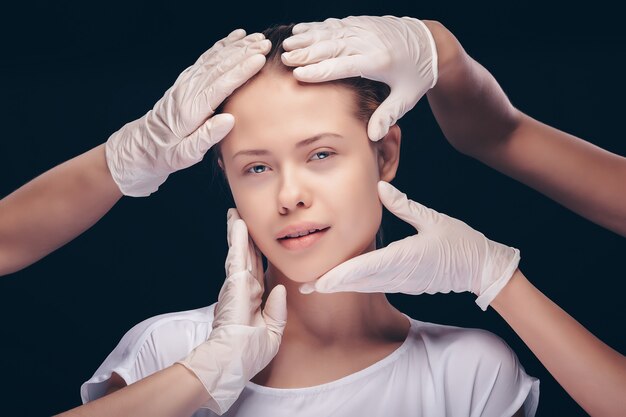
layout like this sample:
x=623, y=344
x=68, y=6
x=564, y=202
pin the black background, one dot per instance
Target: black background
x=72, y=73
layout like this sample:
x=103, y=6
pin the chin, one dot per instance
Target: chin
x=301, y=273
x=309, y=270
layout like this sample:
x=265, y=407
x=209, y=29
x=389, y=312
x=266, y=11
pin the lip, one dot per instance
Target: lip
x=303, y=242
x=300, y=227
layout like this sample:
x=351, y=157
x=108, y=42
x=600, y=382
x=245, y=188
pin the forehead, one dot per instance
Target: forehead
x=275, y=106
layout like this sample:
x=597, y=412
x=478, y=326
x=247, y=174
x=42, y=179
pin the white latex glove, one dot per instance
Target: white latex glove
x=179, y=130
x=244, y=339
x=445, y=255
x=398, y=51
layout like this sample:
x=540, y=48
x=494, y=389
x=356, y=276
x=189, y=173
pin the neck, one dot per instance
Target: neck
x=343, y=318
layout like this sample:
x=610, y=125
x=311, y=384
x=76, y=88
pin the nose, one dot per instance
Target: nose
x=292, y=193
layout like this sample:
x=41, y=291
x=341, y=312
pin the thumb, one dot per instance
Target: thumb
x=191, y=149
x=351, y=275
x=412, y=212
x=275, y=311
x=212, y=131
x=386, y=115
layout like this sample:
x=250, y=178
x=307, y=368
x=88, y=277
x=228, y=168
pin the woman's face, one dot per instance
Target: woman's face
x=298, y=158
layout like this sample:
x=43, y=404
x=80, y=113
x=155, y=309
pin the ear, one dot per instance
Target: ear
x=389, y=153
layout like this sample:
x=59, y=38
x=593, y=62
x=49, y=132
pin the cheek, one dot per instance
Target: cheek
x=357, y=206
x=250, y=211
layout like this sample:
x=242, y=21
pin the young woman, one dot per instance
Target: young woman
x=68, y=199
x=305, y=179
x=478, y=119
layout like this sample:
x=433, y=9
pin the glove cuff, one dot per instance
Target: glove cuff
x=487, y=296
x=132, y=177
x=431, y=46
x=223, y=385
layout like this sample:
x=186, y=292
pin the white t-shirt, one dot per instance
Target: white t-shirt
x=437, y=371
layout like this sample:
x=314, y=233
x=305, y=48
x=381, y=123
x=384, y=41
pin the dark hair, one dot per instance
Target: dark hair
x=368, y=96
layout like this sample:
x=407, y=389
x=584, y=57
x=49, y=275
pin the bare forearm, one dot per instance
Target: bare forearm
x=470, y=107
x=478, y=119
x=579, y=175
x=589, y=370
x=172, y=392
x=55, y=207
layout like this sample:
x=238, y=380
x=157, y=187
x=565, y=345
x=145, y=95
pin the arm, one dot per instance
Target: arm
x=215, y=373
x=479, y=120
x=174, y=391
x=65, y=201
x=55, y=207
x=591, y=372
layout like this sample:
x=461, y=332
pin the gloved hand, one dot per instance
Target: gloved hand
x=400, y=52
x=179, y=130
x=445, y=255
x=244, y=339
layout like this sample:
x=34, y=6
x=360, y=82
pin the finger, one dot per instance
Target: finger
x=330, y=23
x=229, y=57
x=330, y=69
x=257, y=269
x=205, y=74
x=319, y=52
x=309, y=38
x=253, y=259
x=412, y=212
x=236, y=260
x=224, y=44
x=303, y=27
x=231, y=215
x=275, y=311
x=228, y=82
x=232, y=37
x=363, y=273
x=386, y=115
x=192, y=149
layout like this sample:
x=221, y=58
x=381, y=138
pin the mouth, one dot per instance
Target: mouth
x=304, y=241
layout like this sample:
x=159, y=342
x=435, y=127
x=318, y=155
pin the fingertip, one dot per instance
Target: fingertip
x=225, y=118
x=297, y=72
x=302, y=74
x=237, y=34
x=387, y=194
x=373, y=133
x=299, y=28
x=221, y=125
x=288, y=44
x=281, y=289
x=377, y=128
x=254, y=37
x=239, y=224
x=255, y=62
x=284, y=57
x=306, y=289
x=384, y=186
x=285, y=45
x=266, y=46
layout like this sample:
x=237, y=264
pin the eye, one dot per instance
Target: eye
x=255, y=169
x=326, y=153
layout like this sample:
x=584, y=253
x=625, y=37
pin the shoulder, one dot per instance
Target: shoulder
x=150, y=346
x=478, y=365
x=166, y=332
x=464, y=345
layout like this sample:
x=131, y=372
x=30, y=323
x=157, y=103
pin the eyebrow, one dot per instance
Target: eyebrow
x=300, y=144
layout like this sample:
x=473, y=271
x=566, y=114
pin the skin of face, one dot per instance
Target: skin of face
x=331, y=181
